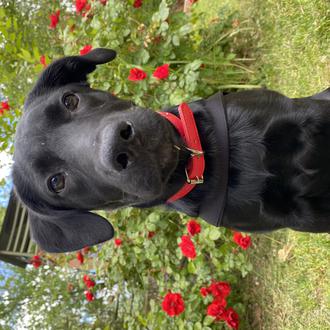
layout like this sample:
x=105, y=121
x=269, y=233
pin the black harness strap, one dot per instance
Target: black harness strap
x=213, y=206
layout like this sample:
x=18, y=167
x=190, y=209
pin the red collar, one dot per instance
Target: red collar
x=186, y=127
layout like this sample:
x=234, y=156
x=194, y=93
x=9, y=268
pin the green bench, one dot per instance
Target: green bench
x=16, y=246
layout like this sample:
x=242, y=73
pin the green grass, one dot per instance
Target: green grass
x=288, y=44
x=290, y=287
x=291, y=44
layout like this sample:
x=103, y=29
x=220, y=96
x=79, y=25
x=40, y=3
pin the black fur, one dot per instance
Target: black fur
x=279, y=172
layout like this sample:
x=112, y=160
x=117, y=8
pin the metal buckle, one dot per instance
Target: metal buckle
x=194, y=152
x=196, y=180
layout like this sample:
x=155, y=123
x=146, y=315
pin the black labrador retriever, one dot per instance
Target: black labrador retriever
x=267, y=158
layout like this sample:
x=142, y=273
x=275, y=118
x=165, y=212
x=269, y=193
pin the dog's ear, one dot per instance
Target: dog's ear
x=70, y=69
x=68, y=230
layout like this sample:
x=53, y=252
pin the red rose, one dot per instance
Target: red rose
x=88, y=281
x=86, y=10
x=80, y=5
x=173, y=304
x=136, y=74
x=137, y=3
x=232, y=318
x=103, y=2
x=5, y=105
x=217, y=310
x=36, y=261
x=118, y=241
x=86, y=49
x=187, y=247
x=204, y=291
x=243, y=241
x=43, y=60
x=89, y=295
x=54, y=19
x=151, y=234
x=80, y=257
x=86, y=278
x=219, y=289
x=161, y=72
x=193, y=227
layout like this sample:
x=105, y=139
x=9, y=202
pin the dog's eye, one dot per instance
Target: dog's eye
x=70, y=101
x=56, y=183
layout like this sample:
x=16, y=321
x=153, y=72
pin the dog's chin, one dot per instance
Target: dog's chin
x=156, y=185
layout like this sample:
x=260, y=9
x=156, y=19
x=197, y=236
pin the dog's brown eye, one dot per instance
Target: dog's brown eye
x=56, y=183
x=70, y=101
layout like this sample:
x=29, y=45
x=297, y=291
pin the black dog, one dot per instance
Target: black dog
x=79, y=149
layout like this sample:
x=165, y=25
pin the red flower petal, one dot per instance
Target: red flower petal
x=219, y=290
x=80, y=257
x=173, y=304
x=5, y=105
x=136, y=74
x=232, y=318
x=54, y=19
x=193, y=227
x=80, y=5
x=43, y=60
x=187, y=247
x=151, y=234
x=243, y=241
x=86, y=49
x=36, y=261
x=204, y=291
x=89, y=295
x=118, y=242
x=217, y=310
x=161, y=72
x=137, y=3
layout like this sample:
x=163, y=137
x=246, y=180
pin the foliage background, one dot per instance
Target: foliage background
x=142, y=270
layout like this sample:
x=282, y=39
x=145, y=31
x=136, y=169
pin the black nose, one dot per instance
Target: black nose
x=121, y=145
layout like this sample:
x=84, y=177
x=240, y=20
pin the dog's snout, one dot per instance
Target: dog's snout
x=118, y=145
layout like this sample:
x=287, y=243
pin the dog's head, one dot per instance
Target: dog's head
x=79, y=149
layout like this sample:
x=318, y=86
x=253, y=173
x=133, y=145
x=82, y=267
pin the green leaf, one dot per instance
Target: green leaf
x=198, y=326
x=214, y=234
x=176, y=40
x=208, y=320
x=191, y=267
x=163, y=11
x=195, y=65
x=151, y=226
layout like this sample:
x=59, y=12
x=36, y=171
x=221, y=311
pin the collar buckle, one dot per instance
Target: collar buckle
x=196, y=180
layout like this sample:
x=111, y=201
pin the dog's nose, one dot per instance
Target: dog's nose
x=121, y=147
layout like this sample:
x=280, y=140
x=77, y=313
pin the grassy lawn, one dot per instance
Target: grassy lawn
x=290, y=287
x=289, y=42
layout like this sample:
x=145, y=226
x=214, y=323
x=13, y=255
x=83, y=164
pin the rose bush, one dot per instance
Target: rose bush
x=165, y=57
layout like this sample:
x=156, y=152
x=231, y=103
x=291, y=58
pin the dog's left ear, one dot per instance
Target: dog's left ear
x=70, y=69
x=65, y=231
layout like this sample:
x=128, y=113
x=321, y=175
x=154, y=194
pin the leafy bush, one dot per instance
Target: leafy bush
x=143, y=268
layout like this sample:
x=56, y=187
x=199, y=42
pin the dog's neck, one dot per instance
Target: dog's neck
x=206, y=200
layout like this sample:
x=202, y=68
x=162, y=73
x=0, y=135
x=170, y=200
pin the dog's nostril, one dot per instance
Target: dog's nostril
x=122, y=160
x=127, y=131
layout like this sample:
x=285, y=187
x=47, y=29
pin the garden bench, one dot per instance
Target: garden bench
x=16, y=246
